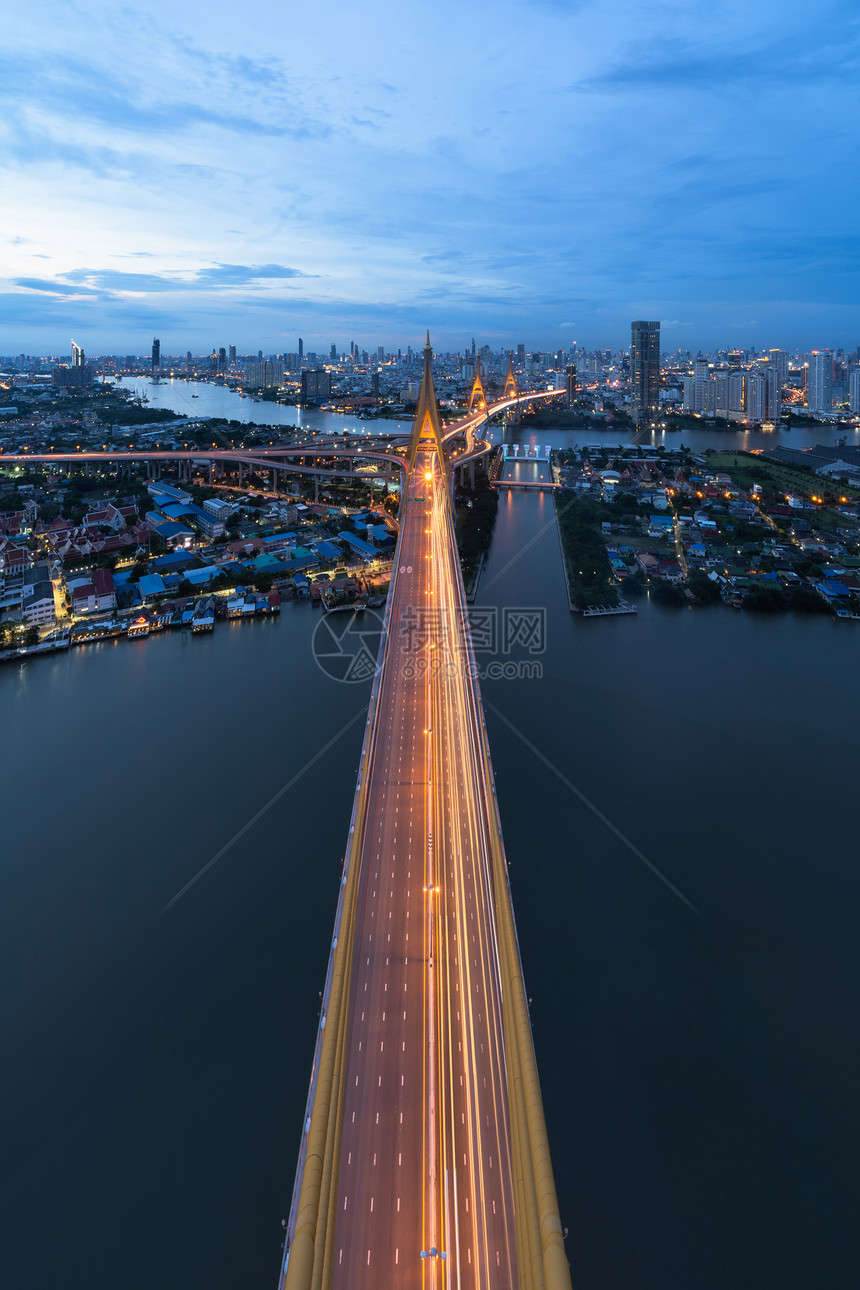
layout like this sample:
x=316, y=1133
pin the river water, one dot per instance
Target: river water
x=199, y=398
x=698, y=1064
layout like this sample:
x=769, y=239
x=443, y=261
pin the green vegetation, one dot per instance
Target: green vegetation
x=562, y=418
x=668, y=593
x=777, y=478
x=588, y=567
x=475, y=524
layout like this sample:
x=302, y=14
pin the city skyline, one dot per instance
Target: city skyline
x=190, y=178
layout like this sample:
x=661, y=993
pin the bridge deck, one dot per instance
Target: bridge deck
x=425, y=1152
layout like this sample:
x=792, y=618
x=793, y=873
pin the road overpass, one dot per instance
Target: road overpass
x=424, y=1159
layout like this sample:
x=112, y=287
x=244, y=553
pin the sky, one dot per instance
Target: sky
x=535, y=171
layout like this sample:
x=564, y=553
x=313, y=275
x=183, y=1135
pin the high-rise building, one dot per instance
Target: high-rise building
x=521, y=355
x=644, y=370
x=156, y=353
x=79, y=358
x=232, y=354
x=333, y=354
x=222, y=359
x=473, y=347
x=380, y=353
x=854, y=391
x=729, y=395
x=301, y=350
x=570, y=372
x=316, y=385
x=755, y=397
x=819, y=387
x=266, y=375
x=778, y=360
x=695, y=385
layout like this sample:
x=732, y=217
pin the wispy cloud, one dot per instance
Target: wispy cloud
x=598, y=157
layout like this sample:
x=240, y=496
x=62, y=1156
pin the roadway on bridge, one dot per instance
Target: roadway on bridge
x=425, y=1146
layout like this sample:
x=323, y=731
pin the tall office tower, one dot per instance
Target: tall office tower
x=374, y=385
x=559, y=359
x=735, y=358
x=232, y=354
x=301, y=350
x=778, y=360
x=222, y=359
x=156, y=352
x=399, y=354
x=188, y=361
x=570, y=371
x=854, y=391
x=819, y=390
x=333, y=353
x=521, y=355
x=79, y=358
x=644, y=369
x=352, y=349
x=473, y=347
x=380, y=353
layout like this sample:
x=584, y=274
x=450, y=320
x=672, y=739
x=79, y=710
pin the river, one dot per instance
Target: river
x=200, y=398
x=698, y=1064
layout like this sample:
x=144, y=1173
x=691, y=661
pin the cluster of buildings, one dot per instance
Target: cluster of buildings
x=743, y=386
x=127, y=553
x=678, y=516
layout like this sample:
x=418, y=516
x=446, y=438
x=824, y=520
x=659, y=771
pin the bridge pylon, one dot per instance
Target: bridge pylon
x=511, y=391
x=477, y=387
x=426, y=424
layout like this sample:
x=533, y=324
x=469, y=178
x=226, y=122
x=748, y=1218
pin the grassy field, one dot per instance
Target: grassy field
x=746, y=471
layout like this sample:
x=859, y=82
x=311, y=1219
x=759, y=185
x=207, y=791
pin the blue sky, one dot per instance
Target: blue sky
x=540, y=172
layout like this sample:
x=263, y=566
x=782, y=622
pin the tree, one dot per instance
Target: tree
x=666, y=593
x=31, y=636
x=766, y=600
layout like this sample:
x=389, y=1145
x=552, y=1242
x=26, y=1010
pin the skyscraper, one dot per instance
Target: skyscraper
x=333, y=353
x=521, y=356
x=644, y=370
x=854, y=391
x=778, y=360
x=156, y=353
x=819, y=381
x=232, y=353
x=570, y=373
x=301, y=351
x=79, y=358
